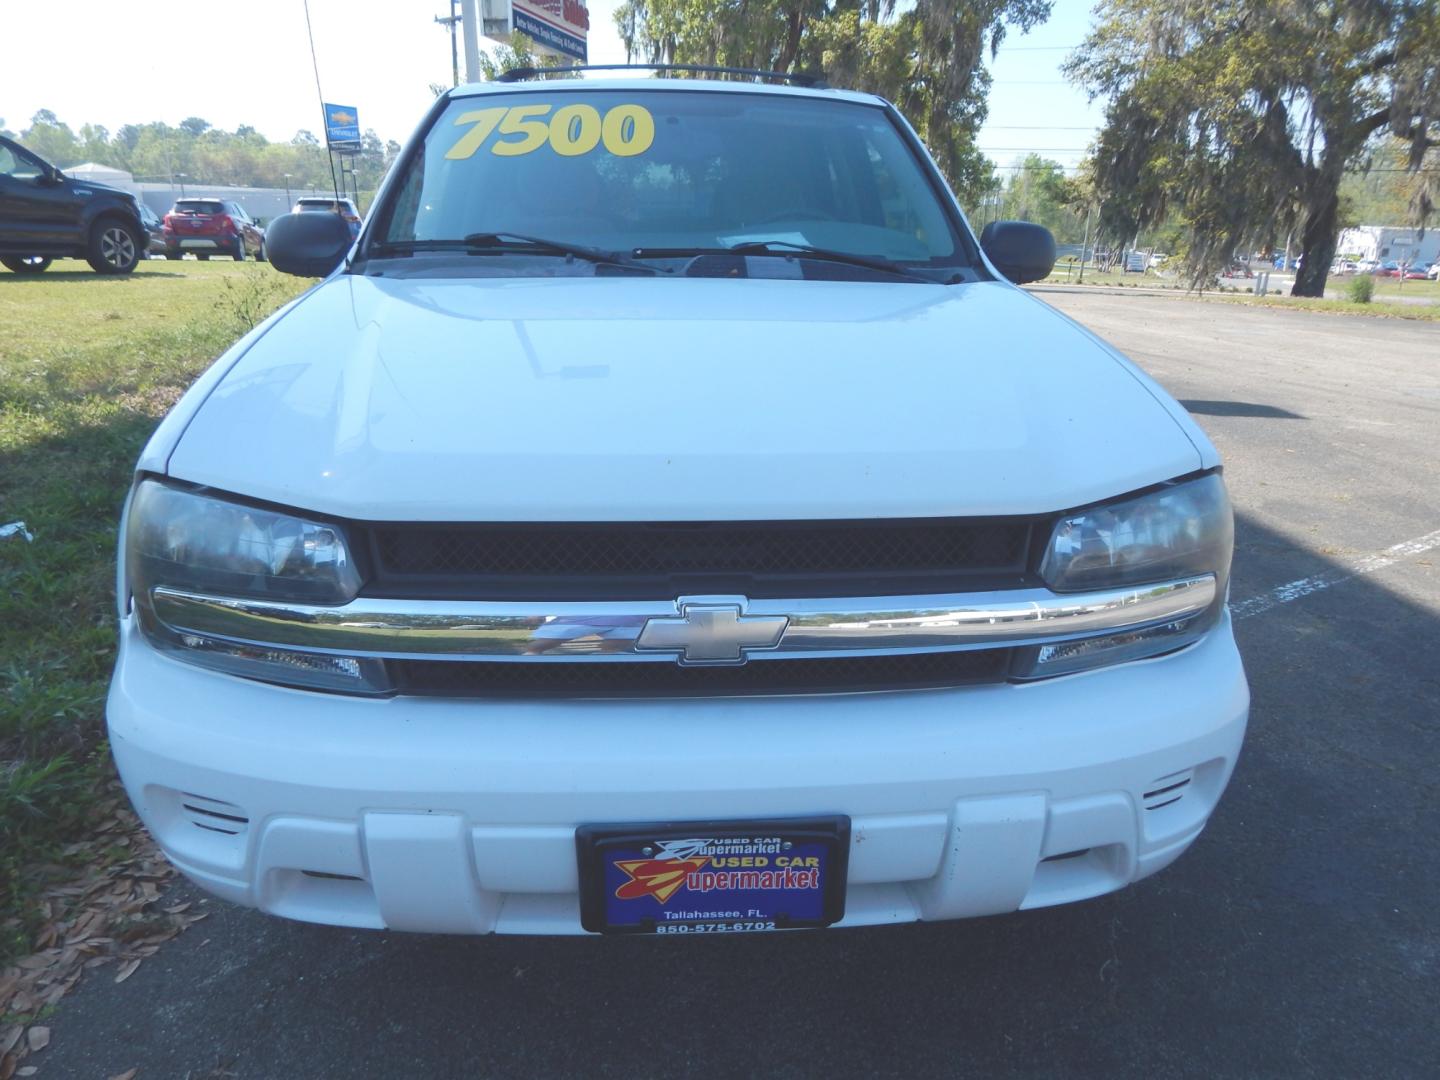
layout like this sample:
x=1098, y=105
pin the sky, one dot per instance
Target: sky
x=249, y=63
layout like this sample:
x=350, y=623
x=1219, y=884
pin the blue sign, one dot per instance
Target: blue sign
x=548, y=34
x=342, y=127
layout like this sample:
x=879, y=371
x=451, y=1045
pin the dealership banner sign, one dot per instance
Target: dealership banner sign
x=558, y=27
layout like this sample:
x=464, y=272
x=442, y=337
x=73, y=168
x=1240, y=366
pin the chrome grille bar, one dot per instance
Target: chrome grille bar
x=609, y=631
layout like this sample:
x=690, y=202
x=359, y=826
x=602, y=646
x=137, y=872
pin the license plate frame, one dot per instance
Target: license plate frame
x=717, y=904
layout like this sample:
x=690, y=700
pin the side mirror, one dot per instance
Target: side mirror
x=1019, y=250
x=50, y=177
x=307, y=245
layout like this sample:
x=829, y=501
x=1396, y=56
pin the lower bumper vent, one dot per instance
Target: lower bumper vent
x=214, y=815
x=1167, y=790
x=910, y=671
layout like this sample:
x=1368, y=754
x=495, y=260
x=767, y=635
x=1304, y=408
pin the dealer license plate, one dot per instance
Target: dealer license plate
x=713, y=877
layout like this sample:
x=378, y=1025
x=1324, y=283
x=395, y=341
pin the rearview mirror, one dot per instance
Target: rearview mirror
x=1019, y=250
x=307, y=245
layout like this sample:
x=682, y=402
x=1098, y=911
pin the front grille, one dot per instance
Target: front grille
x=656, y=561
x=908, y=671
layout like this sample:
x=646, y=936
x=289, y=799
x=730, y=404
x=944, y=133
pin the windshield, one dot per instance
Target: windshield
x=670, y=172
x=196, y=206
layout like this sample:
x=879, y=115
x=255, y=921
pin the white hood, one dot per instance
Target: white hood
x=611, y=399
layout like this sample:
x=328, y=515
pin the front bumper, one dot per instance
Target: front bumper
x=459, y=815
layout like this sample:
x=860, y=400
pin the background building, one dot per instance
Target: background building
x=1390, y=243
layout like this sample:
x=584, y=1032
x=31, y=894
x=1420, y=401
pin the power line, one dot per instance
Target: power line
x=321, y=95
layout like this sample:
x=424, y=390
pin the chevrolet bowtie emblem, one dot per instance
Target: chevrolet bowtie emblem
x=711, y=632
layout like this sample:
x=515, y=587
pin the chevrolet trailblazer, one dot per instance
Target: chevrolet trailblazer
x=667, y=517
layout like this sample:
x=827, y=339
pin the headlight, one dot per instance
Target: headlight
x=1182, y=530
x=195, y=543
x=1173, y=532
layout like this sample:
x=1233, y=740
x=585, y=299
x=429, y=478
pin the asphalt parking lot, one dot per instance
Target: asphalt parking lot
x=1297, y=938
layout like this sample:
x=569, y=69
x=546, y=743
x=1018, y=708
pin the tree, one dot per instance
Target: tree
x=52, y=139
x=518, y=53
x=1038, y=190
x=1242, y=117
x=1383, y=194
x=94, y=142
x=928, y=58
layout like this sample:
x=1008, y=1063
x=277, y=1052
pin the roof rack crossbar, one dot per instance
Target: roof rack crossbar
x=800, y=78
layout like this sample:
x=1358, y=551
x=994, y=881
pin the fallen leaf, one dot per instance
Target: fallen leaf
x=128, y=1074
x=7, y=1066
x=126, y=970
x=177, y=908
x=37, y=1038
x=27, y=1070
x=9, y=1037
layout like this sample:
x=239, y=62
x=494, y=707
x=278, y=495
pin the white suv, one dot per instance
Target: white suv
x=666, y=518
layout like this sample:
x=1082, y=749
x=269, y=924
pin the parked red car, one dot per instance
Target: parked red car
x=206, y=227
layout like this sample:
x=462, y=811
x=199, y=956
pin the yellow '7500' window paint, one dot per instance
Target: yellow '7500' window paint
x=624, y=130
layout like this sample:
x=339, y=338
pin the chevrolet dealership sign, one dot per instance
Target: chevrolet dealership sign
x=558, y=27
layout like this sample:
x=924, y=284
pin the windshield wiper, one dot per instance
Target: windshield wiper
x=505, y=243
x=785, y=249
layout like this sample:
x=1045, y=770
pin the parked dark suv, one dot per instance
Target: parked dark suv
x=45, y=215
x=206, y=227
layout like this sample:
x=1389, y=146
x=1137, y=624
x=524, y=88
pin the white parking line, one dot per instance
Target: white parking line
x=1294, y=590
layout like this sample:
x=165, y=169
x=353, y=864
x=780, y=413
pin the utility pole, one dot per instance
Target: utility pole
x=454, y=42
x=1085, y=242
x=470, y=24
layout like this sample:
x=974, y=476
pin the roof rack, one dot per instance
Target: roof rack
x=800, y=78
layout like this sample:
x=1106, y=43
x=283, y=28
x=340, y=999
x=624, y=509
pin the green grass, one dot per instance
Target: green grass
x=1064, y=274
x=1422, y=312
x=1386, y=304
x=1427, y=290
x=88, y=366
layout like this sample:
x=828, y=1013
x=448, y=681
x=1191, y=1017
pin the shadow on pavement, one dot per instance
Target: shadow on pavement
x=1298, y=937
x=1239, y=408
